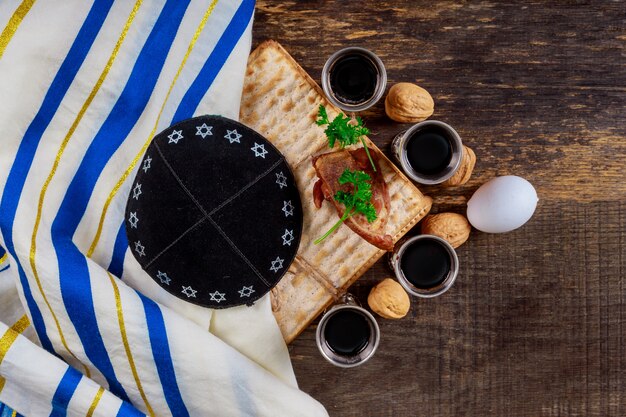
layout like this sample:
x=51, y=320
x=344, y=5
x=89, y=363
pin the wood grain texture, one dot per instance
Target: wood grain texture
x=534, y=325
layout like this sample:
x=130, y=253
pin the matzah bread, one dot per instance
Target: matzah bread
x=280, y=101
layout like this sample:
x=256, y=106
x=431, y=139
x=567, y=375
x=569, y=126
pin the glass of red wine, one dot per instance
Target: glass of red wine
x=347, y=335
x=429, y=152
x=425, y=265
x=354, y=79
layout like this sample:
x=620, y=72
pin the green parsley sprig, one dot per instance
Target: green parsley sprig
x=343, y=130
x=357, y=202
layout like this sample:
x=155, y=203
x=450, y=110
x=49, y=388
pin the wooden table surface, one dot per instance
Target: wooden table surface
x=536, y=322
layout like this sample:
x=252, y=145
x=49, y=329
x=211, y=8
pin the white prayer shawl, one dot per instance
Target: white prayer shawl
x=83, y=89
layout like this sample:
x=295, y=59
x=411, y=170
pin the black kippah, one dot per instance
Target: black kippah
x=214, y=215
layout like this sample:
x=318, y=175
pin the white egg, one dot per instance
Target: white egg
x=502, y=204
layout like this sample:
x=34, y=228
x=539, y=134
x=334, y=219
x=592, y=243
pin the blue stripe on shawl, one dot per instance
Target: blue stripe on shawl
x=28, y=146
x=215, y=62
x=162, y=357
x=65, y=391
x=116, y=267
x=73, y=270
x=127, y=410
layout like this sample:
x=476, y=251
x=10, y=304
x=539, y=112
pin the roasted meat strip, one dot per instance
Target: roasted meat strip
x=329, y=167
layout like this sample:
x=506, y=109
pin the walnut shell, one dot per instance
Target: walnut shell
x=408, y=103
x=466, y=167
x=452, y=227
x=389, y=300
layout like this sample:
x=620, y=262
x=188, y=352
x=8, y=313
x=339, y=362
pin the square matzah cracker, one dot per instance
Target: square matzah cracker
x=280, y=101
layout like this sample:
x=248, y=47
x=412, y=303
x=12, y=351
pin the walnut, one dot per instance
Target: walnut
x=466, y=167
x=389, y=300
x=452, y=227
x=408, y=103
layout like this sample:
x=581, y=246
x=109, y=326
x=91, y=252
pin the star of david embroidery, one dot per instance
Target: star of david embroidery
x=246, y=291
x=146, y=164
x=288, y=208
x=287, y=237
x=204, y=130
x=217, y=296
x=162, y=276
x=175, y=136
x=139, y=248
x=133, y=219
x=281, y=180
x=277, y=264
x=259, y=150
x=189, y=292
x=232, y=136
x=137, y=191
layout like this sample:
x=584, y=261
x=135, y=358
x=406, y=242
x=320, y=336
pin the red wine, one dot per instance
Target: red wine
x=429, y=150
x=425, y=263
x=347, y=332
x=353, y=78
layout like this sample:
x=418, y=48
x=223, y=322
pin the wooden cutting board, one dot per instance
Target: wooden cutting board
x=280, y=101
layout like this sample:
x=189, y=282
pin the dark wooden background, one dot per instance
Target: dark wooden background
x=536, y=323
